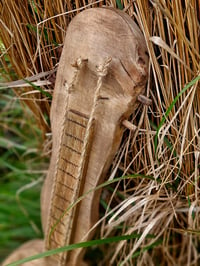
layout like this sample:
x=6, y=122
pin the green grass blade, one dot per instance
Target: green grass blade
x=75, y=246
x=187, y=86
x=92, y=190
x=119, y=4
x=39, y=89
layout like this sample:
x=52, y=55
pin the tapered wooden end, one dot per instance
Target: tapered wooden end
x=129, y=125
x=144, y=100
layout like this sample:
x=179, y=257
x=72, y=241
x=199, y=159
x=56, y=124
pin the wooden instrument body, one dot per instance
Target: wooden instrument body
x=102, y=70
x=93, y=37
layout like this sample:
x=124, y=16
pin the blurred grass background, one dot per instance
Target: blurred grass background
x=165, y=146
x=22, y=168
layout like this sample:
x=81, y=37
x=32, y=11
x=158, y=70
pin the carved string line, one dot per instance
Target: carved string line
x=67, y=87
x=101, y=72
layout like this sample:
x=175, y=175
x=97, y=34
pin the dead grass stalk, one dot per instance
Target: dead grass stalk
x=166, y=143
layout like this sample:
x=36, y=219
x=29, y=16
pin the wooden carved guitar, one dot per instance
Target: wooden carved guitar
x=102, y=71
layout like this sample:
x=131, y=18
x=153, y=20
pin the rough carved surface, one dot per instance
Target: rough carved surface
x=103, y=69
x=30, y=248
x=95, y=36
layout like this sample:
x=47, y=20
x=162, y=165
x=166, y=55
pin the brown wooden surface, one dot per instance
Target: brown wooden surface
x=95, y=35
x=30, y=248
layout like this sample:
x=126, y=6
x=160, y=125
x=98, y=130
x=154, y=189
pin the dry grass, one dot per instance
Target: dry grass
x=163, y=209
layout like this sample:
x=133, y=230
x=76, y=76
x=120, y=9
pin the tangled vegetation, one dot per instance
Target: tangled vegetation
x=158, y=197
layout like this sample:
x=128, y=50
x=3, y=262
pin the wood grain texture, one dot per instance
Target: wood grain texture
x=93, y=37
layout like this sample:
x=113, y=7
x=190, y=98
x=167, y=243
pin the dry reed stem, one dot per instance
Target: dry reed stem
x=168, y=205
